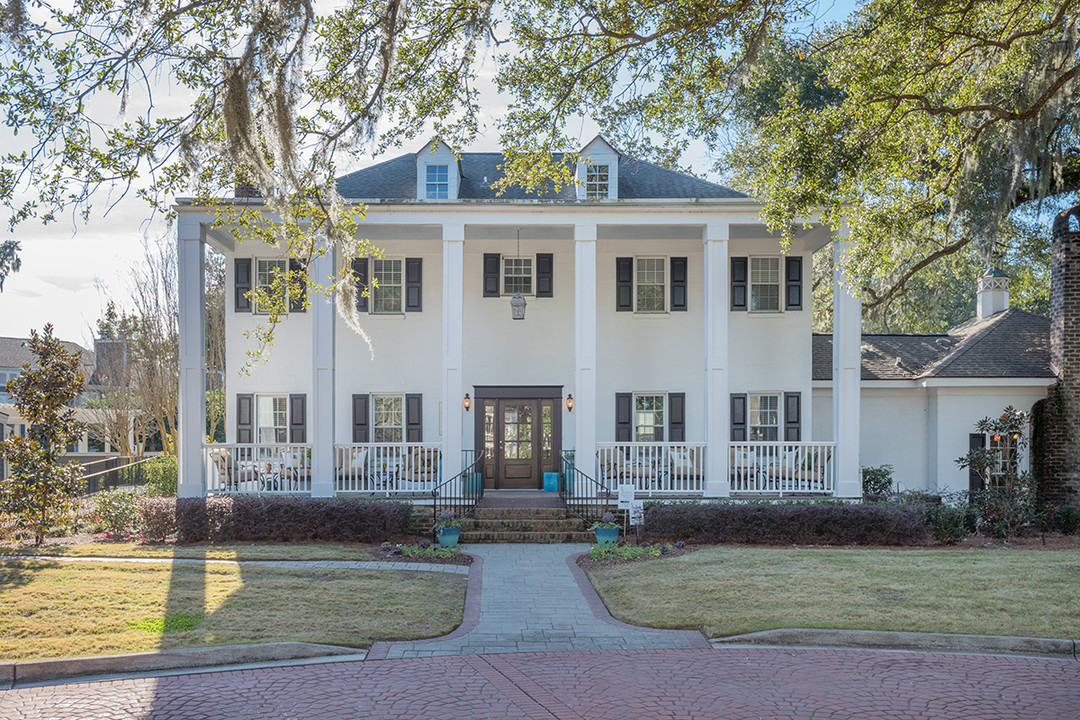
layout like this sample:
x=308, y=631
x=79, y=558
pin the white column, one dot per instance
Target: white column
x=321, y=409
x=453, y=333
x=717, y=403
x=847, y=371
x=585, y=348
x=190, y=256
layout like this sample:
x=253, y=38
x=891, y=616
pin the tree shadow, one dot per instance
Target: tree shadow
x=15, y=573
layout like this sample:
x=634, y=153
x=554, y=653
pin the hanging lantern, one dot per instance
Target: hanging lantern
x=517, y=307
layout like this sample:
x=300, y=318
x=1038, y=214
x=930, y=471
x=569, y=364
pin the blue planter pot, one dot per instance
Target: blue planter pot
x=448, y=537
x=606, y=536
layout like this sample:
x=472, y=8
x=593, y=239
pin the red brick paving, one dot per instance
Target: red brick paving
x=732, y=683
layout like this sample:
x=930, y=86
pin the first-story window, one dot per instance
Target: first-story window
x=517, y=275
x=438, y=182
x=387, y=418
x=648, y=418
x=265, y=272
x=765, y=284
x=1003, y=448
x=650, y=284
x=764, y=418
x=596, y=182
x=272, y=416
x=386, y=295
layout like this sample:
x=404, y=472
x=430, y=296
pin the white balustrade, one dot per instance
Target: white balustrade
x=653, y=468
x=781, y=468
x=278, y=469
x=387, y=468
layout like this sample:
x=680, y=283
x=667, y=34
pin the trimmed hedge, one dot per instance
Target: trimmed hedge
x=795, y=523
x=289, y=519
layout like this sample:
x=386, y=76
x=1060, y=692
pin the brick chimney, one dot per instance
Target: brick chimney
x=993, y=295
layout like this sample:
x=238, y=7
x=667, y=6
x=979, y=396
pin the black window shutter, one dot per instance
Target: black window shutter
x=738, y=417
x=491, y=274
x=678, y=284
x=414, y=418
x=296, y=298
x=245, y=415
x=676, y=417
x=298, y=418
x=624, y=284
x=738, y=283
x=793, y=280
x=360, y=432
x=976, y=441
x=545, y=275
x=359, y=268
x=624, y=417
x=413, y=282
x=793, y=417
x=241, y=284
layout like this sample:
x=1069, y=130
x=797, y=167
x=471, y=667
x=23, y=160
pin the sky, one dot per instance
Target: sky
x=70, y=268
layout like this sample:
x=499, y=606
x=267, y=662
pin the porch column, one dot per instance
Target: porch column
x=717, y=403
x=585, y=348
x=191, y=423
x=847, y=370
x=323, y=472
x=453, y=333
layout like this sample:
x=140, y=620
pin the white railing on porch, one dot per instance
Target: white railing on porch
x=387, y=468
x=652, y=468
x=783, y=467
x=257, y=469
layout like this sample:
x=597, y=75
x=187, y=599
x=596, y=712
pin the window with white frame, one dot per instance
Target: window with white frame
x=649, y=417
x=386, y=295
x=517, y=275
x=5, y=375
x=764, y=418
x=265, y=272
x=387, y=418
x=765, y=284
x=1005, y=452
x=650, y=289
x=438, y=182
x=596, y=182
x=272, y=418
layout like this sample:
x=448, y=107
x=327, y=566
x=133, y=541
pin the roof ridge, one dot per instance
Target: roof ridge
x=965, y=344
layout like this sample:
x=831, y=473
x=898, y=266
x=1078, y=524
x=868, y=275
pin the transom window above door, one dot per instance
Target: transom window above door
x=386, y=295
x=517, y=275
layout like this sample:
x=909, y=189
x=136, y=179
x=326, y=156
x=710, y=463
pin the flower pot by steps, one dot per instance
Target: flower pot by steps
x=606, y=536
x=448, y=537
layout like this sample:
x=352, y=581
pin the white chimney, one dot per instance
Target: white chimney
x=993, y=295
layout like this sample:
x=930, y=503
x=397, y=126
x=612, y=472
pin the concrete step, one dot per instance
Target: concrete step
x=503, y=513
x=522, y=524
x=528, y=537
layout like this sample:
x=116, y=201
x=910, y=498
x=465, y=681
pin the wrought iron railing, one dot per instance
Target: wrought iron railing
x=463, y=492
x=584, y=496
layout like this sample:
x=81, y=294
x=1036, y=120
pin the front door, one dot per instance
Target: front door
x=517, y=451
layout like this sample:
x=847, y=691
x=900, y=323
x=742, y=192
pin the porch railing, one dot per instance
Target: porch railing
x=653, y=468
x=257, y=469
x=463, y=492
x=584, y=496
x=387, y=468
x=783, y=467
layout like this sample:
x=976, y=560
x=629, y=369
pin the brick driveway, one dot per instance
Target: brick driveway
x=616, y=685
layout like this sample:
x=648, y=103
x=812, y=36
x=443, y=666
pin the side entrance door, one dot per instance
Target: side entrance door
x=516, y=439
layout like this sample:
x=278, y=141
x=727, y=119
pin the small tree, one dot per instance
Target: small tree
x=1006, y=504
x=39, y=487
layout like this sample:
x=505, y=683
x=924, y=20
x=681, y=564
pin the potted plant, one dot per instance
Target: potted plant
x=448, y=529
x=606, y=529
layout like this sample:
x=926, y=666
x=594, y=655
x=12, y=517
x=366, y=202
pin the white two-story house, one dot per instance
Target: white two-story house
x=644, y=325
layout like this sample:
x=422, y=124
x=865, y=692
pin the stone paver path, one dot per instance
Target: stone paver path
x=728, y=684
x=532, y=601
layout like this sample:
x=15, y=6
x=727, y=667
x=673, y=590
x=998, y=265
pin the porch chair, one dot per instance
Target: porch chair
x=223, y=461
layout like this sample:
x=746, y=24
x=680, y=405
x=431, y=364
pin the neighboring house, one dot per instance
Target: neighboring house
x=644, y=320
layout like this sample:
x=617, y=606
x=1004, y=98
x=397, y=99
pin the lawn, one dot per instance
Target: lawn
x=55, y=609
x=729, y=591
x=264, y=551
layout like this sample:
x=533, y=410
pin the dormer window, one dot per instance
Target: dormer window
x=596, y=182
x=438, y=182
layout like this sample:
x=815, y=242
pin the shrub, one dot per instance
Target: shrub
x=1003, y=513
x=157, y=518
x=116, y=512
x=795, y=523
x=949, y=523
x=161, y=476
x=289, y=519
x=1067, y=519
x=877, y=482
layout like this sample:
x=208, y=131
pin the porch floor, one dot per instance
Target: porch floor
x=520, y=499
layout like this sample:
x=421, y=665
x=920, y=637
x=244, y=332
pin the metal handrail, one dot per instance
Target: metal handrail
x=584, y=496
x=472, y=491
x=90, y=480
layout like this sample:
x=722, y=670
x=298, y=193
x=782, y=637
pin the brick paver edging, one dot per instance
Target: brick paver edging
x=696, y=638
x=470, y=619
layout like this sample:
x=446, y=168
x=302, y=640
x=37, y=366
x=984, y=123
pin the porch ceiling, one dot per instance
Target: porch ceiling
x=806, y=239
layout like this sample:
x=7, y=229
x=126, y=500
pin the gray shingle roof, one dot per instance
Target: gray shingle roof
x=395, y=179
x=1013, y=343
x=14, y=353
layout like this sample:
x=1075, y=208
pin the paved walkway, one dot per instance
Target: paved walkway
x=534, y=599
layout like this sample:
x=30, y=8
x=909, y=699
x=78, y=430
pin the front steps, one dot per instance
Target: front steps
x=524, y=525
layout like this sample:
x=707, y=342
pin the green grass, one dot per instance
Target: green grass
x=729, y=591
x=264, y=551
x=78, y=609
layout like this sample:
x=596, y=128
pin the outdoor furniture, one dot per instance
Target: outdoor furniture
x=226, y=470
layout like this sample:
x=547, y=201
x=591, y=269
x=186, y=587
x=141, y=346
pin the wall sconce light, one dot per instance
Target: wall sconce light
x=517, y=307
x=467, y=402
x=569, y=403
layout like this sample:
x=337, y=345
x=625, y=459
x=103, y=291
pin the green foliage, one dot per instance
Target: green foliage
x=1005, y=507
x=1067, y=519
x=624, y=552
x=116, y=513
x=172, y=622
x=215, y=416
x=949, y=523
x=161, y=474
x=40, y=488
x=877, y=482
x=10, y=261
x=431, y=551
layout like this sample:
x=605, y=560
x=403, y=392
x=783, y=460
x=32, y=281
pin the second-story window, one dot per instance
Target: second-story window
x=265, y=272
x=438, y=182
x=765, y=284
x=650, y=286
x=596, y=182
x=386, y=295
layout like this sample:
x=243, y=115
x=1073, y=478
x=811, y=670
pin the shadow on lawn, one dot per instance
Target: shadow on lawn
x=16, y=573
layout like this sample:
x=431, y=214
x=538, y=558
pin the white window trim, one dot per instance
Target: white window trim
x=666, y=260
x=428, y=168
x=400, y=259
x=633, y=411
x=593, y=187
x=256, y=287
x=779, y=395
x=779, y=285
x=256, y=427
x=400, y=397
x=502, y=274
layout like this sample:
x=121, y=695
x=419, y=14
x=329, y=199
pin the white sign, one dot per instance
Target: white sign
x=637, y=512
x=626, y=496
